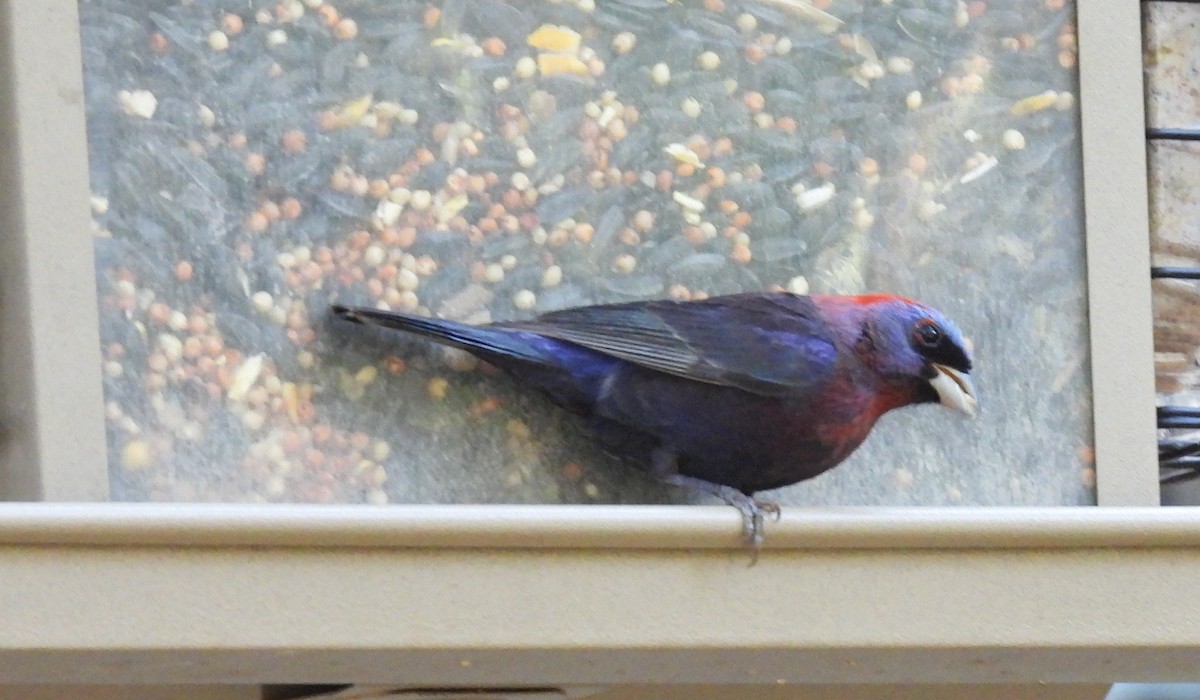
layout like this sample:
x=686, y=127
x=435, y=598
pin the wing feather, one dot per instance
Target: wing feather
x=770, y=344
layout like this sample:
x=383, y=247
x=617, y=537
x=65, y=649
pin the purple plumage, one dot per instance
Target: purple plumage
x=730, y=395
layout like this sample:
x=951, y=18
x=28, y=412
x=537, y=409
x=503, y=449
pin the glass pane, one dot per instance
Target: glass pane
x=1172, y=67
x=483, y=161
x=1170, y=32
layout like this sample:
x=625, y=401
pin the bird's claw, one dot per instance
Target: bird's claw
x=754, y=514
x=753, y=511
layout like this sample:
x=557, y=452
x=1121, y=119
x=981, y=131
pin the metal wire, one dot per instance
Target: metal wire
x=1164, y=134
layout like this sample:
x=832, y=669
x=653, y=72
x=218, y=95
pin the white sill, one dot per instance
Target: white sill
x=587, y=595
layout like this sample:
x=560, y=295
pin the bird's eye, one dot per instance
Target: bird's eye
x=927, y=334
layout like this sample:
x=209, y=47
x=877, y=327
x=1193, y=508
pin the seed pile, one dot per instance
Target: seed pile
x=478, y=160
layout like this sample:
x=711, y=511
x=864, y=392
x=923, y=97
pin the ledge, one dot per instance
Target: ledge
x=540, y=527
x=549, y=595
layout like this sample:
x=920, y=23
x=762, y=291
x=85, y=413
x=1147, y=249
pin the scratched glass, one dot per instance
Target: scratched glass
x=252, y=162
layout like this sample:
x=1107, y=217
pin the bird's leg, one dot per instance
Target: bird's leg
x=752, y=509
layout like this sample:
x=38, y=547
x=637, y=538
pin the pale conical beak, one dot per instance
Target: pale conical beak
x=954, y=389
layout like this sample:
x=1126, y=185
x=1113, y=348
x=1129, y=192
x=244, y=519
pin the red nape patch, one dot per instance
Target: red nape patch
x=871, y=299
x=862, y=300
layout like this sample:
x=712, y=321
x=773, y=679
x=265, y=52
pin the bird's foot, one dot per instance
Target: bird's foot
x=754, y=514
x=753, y=510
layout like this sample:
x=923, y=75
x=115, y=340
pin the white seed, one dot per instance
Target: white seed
x=625, y=263
x=747, y=22
x=207, y=117
x=783, y=47
x=387, y=213
x=552, y=276
x=913, y=100
x=493, y=273
x=217, y=40
x=421, y=199
x=688, y=202
x=871, y=70
x=816, y=197
x=138, y=103
x=408, y=117
x=374, y=255
x=863, y=219
x=178, y=322
x=660, y=74
x=971, y=136
x=171, y=346
x=276, y=37
x=263, y=303
x=961, y=18
x=400, y=195
x=681, y=153
x=691, y=107
x=501, y=83
x=798, y=285
x=508, y=262
x=526, y=68
x=624, y=42
x=900, y=65
x=526, y=158
x=1013, y=140
x=377, y=497
x=524, y=300
x=520, y=181
x=1064, y=101
x=245, y=376
x=407, y=280
x=709, y=60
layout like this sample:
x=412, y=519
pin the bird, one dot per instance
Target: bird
x=728, y=395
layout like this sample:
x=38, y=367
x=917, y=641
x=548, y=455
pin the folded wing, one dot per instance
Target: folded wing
x=773, y=345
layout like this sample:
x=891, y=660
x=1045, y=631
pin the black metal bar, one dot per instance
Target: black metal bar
x=1180, y=422
x=1163, y=134
x=1179, y=273
x=1172, y=450
x=1178, y=477
x=1177, y=412
x=1189, y=463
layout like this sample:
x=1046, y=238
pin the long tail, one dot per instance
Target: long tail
x=488, y=343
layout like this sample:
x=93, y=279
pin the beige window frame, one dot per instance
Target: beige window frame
x=94, y=592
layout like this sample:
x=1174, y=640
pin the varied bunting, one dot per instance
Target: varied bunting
x=729, y=395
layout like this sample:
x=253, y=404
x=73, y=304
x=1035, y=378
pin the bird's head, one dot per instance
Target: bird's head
x=916, y=347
